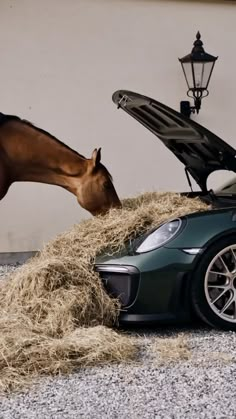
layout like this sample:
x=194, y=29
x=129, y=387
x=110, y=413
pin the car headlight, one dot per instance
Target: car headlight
x=160, y=236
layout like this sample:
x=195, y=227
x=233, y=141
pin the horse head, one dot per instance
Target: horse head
x=96, y=192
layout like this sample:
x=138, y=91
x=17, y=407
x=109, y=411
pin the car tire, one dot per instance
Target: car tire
x=213, y=285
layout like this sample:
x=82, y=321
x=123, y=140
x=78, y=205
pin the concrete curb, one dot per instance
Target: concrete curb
x=12, y=258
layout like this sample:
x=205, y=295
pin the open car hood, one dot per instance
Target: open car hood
x=201, y=151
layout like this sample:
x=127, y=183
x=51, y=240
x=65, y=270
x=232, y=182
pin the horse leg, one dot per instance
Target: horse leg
x=4, y=180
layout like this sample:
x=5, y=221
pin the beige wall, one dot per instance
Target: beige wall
x=61, y=60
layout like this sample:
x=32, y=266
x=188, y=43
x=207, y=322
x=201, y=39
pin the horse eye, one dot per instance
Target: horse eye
x=107, y=185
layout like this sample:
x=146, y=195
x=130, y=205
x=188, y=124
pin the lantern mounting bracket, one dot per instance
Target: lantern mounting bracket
x=197, y=94
x=186, y=109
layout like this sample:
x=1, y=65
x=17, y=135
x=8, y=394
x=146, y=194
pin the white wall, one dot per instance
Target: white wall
x=61, y=60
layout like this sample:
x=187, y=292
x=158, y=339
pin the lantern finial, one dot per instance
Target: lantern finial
x=198, y=44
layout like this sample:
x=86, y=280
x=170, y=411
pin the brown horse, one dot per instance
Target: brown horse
x=28, y=153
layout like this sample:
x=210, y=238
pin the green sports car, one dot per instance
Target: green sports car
x=186, y=266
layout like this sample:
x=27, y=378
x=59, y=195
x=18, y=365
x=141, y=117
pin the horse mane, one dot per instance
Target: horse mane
x=4, y=118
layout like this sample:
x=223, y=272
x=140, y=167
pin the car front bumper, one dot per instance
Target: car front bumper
x=152, y=287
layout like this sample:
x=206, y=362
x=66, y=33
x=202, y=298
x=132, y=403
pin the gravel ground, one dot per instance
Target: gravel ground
x=200, y=387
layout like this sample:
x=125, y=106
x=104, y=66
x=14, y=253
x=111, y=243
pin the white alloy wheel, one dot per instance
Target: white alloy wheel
x=220, y=284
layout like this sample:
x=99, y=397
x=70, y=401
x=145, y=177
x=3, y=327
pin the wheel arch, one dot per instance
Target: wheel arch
x=212, y=242
x=222, y=235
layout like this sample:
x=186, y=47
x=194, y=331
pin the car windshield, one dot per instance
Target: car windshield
x=227, y=188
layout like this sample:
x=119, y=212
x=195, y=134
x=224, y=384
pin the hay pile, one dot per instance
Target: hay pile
x=54, y=313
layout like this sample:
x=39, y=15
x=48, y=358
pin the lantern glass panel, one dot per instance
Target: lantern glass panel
x=187, y=69
x=202, y=73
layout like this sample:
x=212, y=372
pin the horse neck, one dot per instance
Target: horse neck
x=33, y=155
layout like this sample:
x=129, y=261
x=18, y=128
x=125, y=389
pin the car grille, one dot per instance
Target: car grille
x=122, y=285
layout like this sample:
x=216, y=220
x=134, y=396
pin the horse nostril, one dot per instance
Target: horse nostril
x=119, y=205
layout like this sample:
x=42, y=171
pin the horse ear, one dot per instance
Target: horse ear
x=96, y=157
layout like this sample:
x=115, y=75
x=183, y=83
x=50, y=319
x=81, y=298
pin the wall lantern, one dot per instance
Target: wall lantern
x=197, y=67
